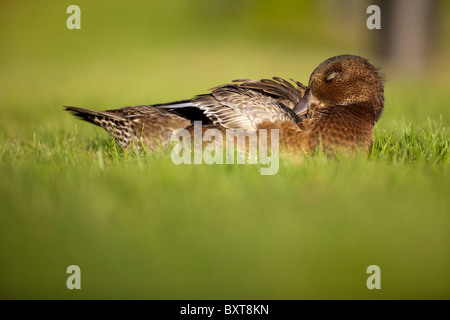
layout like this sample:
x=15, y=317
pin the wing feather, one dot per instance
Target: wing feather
x=240, y=107
x=243, y=103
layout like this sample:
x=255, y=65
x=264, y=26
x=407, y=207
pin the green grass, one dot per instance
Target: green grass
x=142, y=227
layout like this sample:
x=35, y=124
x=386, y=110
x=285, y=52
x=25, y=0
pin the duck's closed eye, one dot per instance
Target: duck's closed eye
x=332, y=76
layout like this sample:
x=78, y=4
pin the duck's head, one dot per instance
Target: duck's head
x=345, y=80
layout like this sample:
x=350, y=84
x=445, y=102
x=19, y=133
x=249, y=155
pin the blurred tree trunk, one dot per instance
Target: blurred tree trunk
x=407, y=33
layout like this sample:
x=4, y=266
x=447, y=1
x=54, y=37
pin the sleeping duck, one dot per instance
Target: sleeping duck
x=337, y=110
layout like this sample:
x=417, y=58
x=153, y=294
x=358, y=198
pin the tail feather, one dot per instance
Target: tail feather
x=150, y=122
x=114, y=123
x=93, y=116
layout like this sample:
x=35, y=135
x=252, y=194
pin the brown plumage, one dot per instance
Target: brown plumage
x=338, y=109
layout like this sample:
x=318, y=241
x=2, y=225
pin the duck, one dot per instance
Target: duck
x=336, y=111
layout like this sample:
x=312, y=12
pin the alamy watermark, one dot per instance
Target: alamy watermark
x=74, y=280
x=74, y=20
x=374, y=280
x=374, y=20
x=246, y=146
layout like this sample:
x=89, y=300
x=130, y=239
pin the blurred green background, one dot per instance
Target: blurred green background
x=143, y=228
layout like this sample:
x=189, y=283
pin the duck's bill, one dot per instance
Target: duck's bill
x=305, y=103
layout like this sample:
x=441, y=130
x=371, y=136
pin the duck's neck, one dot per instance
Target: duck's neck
x=365, y=111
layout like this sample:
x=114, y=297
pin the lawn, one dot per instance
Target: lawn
x=141, y=227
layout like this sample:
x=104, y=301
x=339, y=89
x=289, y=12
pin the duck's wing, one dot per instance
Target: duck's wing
x=278, y=88
x=234, y=107
x=243, y=104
